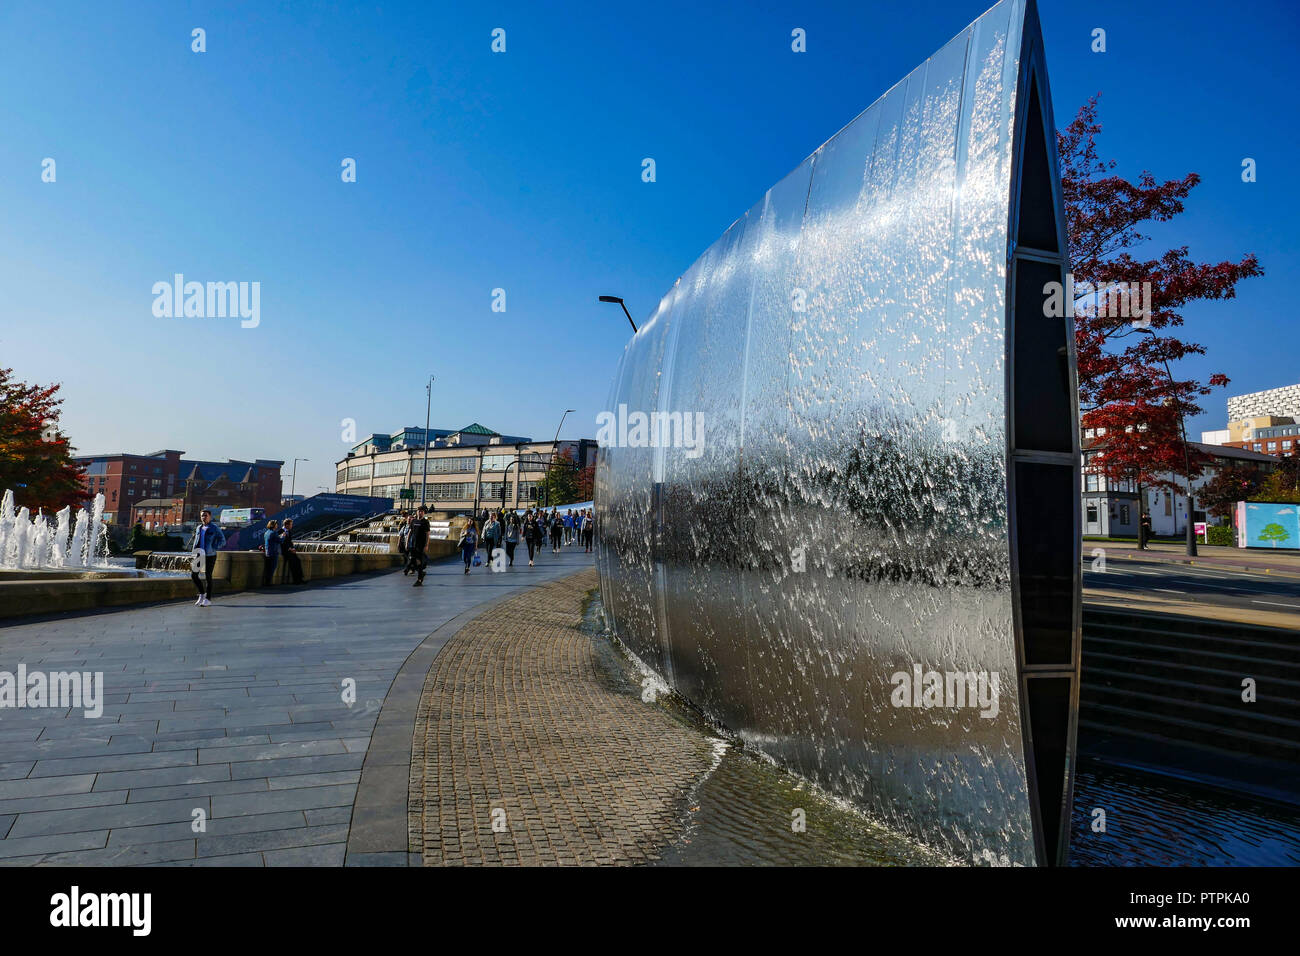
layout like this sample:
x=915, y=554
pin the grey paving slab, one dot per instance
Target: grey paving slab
x=139, y=854
x=253, y=823
x=308, y=798
x=292, y=748
x=376, y=859
x=63, y=801
x=231, y=859
x=235, y=708
x=292, y=765
x=148, y=794
x=298, y=781
x=271, y=839
x=46, y=786
x=325, y=815
x=113, y=762
x=330, y=854
x=164, y=777
x=41, y=822
x=12, y=846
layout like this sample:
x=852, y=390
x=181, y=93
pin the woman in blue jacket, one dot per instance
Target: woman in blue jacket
x=272, y=549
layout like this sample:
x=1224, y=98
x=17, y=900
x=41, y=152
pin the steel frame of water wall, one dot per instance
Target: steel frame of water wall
x=924, y=231
x=1048, y=642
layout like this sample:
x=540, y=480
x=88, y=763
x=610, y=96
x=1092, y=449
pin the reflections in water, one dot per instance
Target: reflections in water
x=743, y=815
x=1154, y=820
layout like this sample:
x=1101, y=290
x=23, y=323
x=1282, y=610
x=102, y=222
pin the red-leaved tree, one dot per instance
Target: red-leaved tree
x=1124, y=388
x=34, y=456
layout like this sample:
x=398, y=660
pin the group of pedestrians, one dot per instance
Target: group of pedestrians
x=277, y=542
x=498, y=534
x=208, y=539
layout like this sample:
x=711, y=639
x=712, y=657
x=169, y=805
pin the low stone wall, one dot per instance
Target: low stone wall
x=53, y=595
x=234, y=571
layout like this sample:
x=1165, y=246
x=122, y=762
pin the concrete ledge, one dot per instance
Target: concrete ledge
x=234, y=571
x=20, y=598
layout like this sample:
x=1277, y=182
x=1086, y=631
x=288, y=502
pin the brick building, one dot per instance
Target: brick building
x=127, y=481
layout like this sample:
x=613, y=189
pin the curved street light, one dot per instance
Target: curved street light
x=614, y=298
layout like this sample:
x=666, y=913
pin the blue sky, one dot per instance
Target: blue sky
x=521, y=171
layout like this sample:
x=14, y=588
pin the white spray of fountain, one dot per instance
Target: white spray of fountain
x=30, y=542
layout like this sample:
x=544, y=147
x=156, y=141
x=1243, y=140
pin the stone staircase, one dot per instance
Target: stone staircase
x=1150, y=678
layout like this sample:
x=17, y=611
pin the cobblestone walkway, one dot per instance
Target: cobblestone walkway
x=524, y=754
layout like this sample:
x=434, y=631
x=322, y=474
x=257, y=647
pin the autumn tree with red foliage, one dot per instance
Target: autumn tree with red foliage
x=587, y=483
x=34, y=457
x=1123, y=384
x=1219, y=495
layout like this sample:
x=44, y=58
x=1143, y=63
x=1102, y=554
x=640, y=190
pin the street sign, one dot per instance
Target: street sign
x=407, y=493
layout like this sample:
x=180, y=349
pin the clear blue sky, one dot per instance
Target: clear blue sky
x=519, y=171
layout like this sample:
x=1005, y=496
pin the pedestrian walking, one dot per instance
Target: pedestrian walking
x=402, y=537
x=513, y=532
x=557, y=532
x=532, y=536
x=468, y=543
x=568, y=527
x=588, y=529
x=416, y=542
x=290, y=553
x=491, y=537
x=271, y=551
x=208, y=540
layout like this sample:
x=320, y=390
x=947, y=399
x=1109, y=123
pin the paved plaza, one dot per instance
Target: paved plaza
x=525, y=755
x=225, y=738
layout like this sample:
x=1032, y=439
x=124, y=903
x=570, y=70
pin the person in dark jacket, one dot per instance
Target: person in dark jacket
x=532, y=536
x=290, y=553
x=416, y=543
x=208, y=538
x=271, y=551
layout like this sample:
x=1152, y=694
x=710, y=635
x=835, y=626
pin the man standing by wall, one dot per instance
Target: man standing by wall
x=290, y=552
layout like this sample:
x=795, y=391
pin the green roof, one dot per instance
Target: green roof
x=477, y=429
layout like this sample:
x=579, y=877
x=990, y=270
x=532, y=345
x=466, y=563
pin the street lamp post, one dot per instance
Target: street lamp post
x=505, y=480
x=293, y=482
x=614, y=298
x=428, y=405
x=547, y=477
x=1187, y=457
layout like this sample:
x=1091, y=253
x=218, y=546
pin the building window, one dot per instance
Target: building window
x=1089, y=482
x=1092, y=514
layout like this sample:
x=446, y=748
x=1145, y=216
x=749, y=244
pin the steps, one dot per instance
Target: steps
x=1150, y=677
